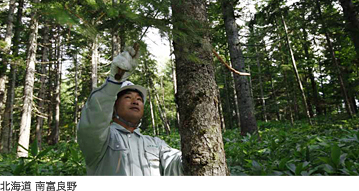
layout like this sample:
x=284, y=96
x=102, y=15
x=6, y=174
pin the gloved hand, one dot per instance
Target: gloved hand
x=124, y=64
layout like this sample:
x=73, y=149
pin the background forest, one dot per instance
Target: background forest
x=295, y=114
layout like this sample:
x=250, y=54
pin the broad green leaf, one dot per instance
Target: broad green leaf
x=325, y=159
x=298, y=169
x=329, y=169
x=44, y=152
x=34, y=148
x=291, y=167
x=256, y=165
x=342, y=158
x=335, y=154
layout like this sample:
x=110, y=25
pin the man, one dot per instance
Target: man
x=118, y=147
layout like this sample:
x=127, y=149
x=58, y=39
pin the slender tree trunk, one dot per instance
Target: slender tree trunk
x=287, y=90
x=45, y=58
x=55, y=132
x=274, y=92
x=94, y=61
x=296, y=72
x=306, y=46
x=264, y=109
x=247, y=117
x=236, y=98
x=201, y=137
x=162, y=115
x=352, y=25
x=220, y=110
x=174, y=85
x=9, y=110
x=25, y=124
x=8, y=35
x=152, y=113
x=76, y=96
x=336, y=65
x=4, y=55
x=228, y=105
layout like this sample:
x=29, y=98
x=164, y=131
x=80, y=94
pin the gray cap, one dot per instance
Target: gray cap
x=127, y=85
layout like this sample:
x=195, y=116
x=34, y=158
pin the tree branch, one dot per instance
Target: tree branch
x=229, y=67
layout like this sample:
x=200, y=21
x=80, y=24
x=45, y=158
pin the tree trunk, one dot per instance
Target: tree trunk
x=352, y=25
x=25, y=124
x=94, y=61
x=336, y=65
x=152, y=113
x=174, y=85
x=236, y=98
x=246, y=106
x=45, y=58
x=228, y=105
x=287, y=90
x=306, y=46
x=300, y=86
x=8, y=35
x=8, y=122
x=264, y=109
x=76, y=96
x=163, y=115
x=201, y=137
x=55, y=131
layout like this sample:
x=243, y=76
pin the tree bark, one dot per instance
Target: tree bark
x=3, y=67
x=336, y=65
x=163, y=115
x=299, y=82
x=246, y=106
x=264, y=109
x=201, y=137
x=173, y=67
x=25, y=124
x=8, y=124
x=45, y=58
x=55, y=131
x=76, y=96
x=94, y=61
x=352, y=25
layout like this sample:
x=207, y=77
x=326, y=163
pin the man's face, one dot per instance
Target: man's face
x=130, y=106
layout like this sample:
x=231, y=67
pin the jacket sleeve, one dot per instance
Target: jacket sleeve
x=171, y=160
x=94, y=125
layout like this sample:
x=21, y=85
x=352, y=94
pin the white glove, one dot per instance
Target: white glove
x=125, y=62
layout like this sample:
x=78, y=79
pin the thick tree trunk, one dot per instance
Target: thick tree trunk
x=201, y=137
x=246, y=106
x=94, y=61
x=25, y=124
x=336, y=65
x=352, y=25
x=299, y=82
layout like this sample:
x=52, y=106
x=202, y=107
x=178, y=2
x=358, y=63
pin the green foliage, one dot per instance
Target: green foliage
x=328, y=148
x=64, y=158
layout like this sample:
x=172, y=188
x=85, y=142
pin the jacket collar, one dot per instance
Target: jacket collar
x=124, y=130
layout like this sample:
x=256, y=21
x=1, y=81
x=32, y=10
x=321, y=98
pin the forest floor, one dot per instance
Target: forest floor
x=329, y=147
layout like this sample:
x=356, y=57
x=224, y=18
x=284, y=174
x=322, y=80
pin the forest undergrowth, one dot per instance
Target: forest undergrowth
x=329, y=147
